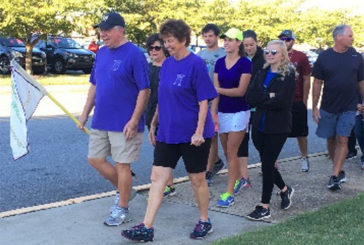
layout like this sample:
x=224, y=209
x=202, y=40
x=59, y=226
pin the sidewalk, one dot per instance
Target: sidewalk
x=83, y=223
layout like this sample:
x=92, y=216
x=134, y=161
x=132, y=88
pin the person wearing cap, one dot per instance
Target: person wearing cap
x=119, y=92
x=341, y=70
x=211, y=35
x=231, y=78
x=185, y=128
x=271, y=92
x=299, y=108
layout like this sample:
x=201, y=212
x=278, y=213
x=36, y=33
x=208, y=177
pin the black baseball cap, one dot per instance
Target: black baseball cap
x=110, y=20
x=287, y=33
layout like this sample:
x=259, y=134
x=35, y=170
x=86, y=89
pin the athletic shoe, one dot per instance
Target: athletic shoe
x=239, y=184
x=118, y=216
x=202, y=229
x=259, y=213
x=226, y=200
x=334, y=183
x=169, y=191
x=217, y=167
x=139, y=233
x=341, y=177
x=286, y=198
x=351, y=155
x=209, y=176
x=305, y=165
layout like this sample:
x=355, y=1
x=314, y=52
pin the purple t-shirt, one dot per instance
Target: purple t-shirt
x=119, y=74
x=230, y=78
x=183, y=84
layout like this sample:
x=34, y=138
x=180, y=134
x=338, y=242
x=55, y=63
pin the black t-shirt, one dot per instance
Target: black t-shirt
x=153, y=98
x=341, y=73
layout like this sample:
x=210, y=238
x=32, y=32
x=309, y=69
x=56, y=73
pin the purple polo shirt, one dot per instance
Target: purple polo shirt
x=230, y=78
x=183, y=84
x=119, y=74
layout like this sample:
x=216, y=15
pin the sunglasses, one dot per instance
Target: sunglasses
x=286, y=39
x=156, y=48
x=272, y=51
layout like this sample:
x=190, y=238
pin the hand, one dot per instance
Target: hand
x=197, y=139
x=360, y=108
x=151, y=135
x=130, y=130
x=316, y=114
x=215, y=120
x=83, y=119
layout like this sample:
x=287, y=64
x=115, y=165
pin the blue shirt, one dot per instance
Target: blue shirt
x=230, y=78
x=118, y=74
x=183, y=84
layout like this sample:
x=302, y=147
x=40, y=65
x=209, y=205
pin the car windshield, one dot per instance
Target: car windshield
x=13, y=42
x=66, y=43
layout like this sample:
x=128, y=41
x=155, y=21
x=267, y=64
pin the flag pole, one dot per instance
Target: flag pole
x=45, y=92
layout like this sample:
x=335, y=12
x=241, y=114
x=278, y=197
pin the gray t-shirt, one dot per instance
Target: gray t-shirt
x=210, y=58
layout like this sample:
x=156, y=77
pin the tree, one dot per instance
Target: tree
x=32, y=20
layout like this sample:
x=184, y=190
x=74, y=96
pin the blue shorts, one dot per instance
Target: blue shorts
x=332, y=124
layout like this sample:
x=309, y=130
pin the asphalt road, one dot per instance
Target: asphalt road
x=57, y=169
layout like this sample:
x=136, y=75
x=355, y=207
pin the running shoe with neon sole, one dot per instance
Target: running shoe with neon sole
x=225, y=200
x=139, y=233
x=202, y=229
x=169, y=191
x=239, y=184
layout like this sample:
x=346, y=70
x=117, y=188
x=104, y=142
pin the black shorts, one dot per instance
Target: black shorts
x=194, y=157
x=299, y=120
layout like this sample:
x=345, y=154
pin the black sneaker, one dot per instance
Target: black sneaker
x=209, y=178
x=217, y=167
x=202, y=229
x=334, y=183
x=139, y=233
x=259, y=213
x=341, y=177
x=286, y=198
x=351, y=155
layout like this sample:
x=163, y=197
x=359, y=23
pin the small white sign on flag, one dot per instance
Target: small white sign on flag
x=26, y=94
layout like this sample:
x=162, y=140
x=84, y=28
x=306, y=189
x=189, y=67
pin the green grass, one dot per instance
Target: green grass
x=52, y=79
x=340, y=223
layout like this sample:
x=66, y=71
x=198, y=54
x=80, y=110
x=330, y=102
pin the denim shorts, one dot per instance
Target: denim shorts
x=332, y=124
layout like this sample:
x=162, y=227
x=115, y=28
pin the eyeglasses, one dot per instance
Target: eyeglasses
x=272, y=51
x=156, y=48
x=286, y=39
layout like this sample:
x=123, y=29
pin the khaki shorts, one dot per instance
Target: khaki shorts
x=109, y=143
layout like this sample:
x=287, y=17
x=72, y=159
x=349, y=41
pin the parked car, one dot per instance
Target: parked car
x=12, y=48
x=65, y=53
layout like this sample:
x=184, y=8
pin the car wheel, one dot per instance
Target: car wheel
x=87, y=71
x=4, y=65
x=59, y=66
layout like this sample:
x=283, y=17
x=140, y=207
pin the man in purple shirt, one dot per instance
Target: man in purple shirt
x=119, y=91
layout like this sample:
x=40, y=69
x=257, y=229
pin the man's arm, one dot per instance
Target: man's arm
x=89, y=105
x=306, y=88
x=316, y=92
x=131, y=128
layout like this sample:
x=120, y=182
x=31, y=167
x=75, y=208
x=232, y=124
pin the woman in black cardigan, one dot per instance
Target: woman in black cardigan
x=271, y=92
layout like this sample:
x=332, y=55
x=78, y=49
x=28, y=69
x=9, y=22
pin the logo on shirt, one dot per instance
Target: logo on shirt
x=116, y=65
x=179, y=79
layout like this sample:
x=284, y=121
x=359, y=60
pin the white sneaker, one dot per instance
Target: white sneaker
x=118, y=216
x=305, y=165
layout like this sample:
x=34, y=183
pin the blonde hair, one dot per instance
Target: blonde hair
x=285, y=64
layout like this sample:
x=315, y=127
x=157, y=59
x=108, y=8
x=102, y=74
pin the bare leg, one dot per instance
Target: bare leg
x=213, y=155
x=340, y=153
x=202, y=194
x=124, y=183
x=302, y=144
x=159, y=180
x=331, y=146
x=106, y=169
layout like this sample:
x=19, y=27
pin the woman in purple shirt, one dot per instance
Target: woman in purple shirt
x=185, y=128
x=231, y=78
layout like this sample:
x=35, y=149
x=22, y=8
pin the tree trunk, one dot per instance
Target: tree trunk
x=28, y=58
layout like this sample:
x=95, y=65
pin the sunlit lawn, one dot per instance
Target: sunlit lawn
x=53, y=79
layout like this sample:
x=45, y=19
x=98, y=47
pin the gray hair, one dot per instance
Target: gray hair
x=340, y=29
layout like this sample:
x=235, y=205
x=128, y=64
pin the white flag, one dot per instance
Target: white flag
x=26, y=94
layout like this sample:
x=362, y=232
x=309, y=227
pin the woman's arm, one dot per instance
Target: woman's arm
x=197, y=138
x=239, y=91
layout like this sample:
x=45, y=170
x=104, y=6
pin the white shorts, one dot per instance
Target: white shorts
x=233, y=122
